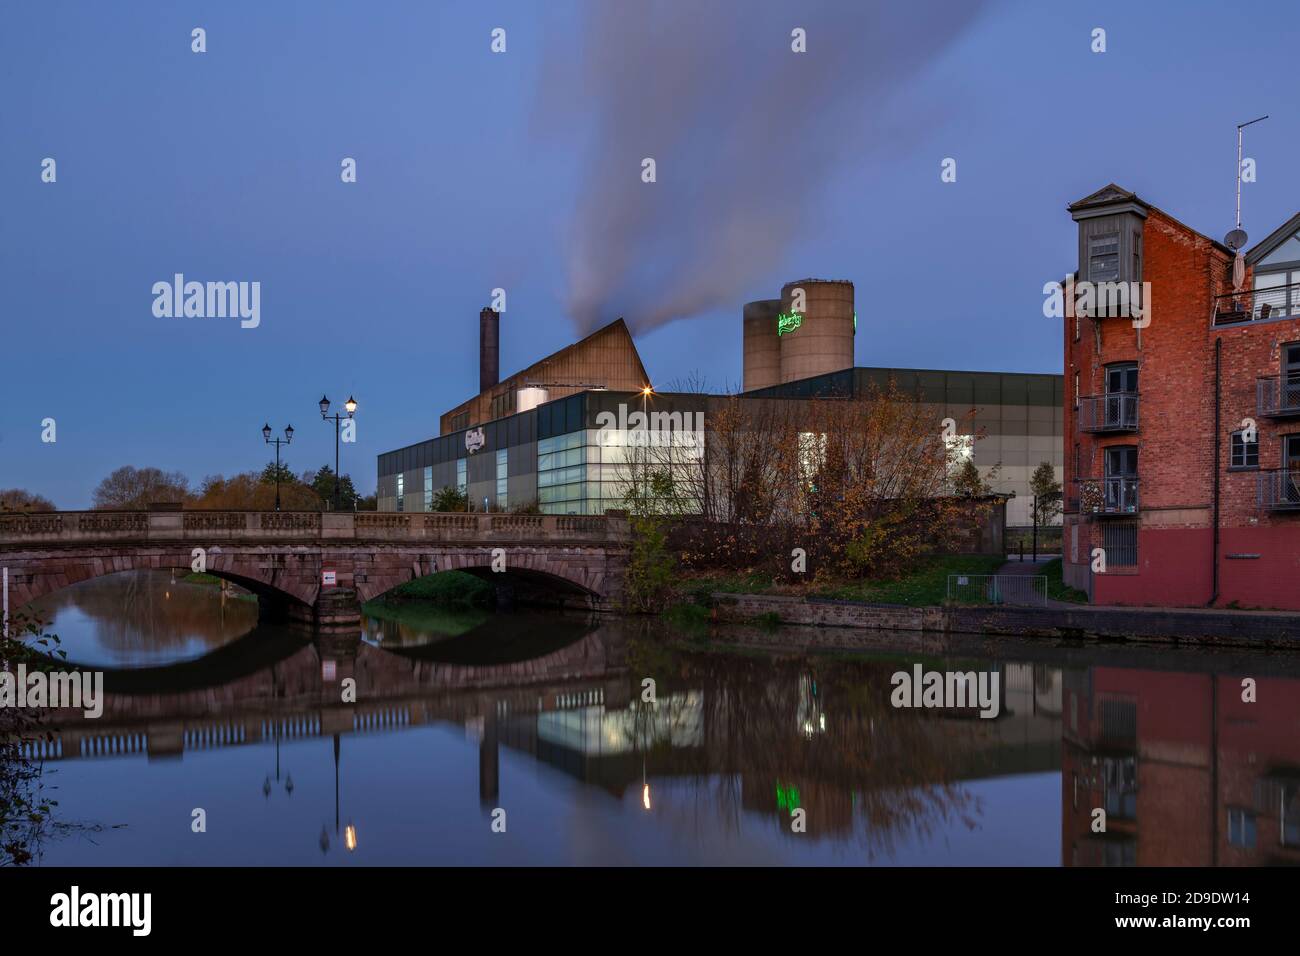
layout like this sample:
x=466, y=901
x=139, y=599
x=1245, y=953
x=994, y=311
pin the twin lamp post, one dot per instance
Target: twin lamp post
x=350, y=406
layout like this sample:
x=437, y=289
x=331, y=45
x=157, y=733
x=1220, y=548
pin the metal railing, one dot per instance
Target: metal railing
x=1257, y=305
x=1112, y=495
x=1277, y=396
x=1115, y=412
x=1026, y=590
x=1279, y=490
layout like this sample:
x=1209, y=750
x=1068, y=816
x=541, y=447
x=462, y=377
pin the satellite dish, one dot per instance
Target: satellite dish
x=1235, y=239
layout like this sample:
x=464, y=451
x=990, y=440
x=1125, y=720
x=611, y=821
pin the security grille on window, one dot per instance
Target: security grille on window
x=1119, y=539
x=1245, y=454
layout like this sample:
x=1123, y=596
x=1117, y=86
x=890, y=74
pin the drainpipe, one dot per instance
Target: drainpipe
x=1218, y=410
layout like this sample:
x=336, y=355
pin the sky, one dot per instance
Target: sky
x=478, y=170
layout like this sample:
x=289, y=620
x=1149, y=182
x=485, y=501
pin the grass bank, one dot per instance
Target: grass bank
x=454, y=589
x=1057, y=589
x=925, y=585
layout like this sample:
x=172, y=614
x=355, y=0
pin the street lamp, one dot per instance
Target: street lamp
x=277, y=442
x=351, y=407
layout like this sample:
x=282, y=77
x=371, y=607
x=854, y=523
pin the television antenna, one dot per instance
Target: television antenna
x=1237, y=238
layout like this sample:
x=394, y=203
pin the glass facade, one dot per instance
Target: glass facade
x=503, y=475
x=580, y=454
x=589, y=471
x=562, y=475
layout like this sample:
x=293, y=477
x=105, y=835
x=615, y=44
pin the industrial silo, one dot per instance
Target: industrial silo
x=819, y=338
x=762, y=345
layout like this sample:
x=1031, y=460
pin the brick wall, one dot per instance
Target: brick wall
x=1175, y=355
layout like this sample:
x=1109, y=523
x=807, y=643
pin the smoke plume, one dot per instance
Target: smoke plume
x=744, y=132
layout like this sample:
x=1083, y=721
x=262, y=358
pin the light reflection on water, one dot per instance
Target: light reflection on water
x=458, y=715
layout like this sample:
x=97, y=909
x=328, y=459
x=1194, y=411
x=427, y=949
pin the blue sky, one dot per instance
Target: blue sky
x=225, y=166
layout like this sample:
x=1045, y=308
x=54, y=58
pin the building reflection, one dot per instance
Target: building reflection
x=1188, y=772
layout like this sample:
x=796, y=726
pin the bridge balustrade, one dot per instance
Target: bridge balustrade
x=205, y=527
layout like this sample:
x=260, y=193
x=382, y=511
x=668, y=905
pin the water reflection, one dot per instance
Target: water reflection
x=547, y=718
x=142, y=618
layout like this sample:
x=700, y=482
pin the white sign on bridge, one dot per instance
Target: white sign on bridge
x=328, y=579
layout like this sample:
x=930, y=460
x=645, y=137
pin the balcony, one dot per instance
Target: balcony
x=1116, y=412
x=1117, y=495
x=1279, y=490
x=1257, y=305
x=1278, y=396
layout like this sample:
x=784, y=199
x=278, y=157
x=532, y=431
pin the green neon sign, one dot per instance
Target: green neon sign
x=788, y=323
x=787, y=798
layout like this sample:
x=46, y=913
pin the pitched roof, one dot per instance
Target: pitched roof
x=1111, y=194
x=1107, y=194
x=1274, y=239
x=618, y=326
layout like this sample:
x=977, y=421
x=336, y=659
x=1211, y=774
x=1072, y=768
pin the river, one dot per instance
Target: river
x=480, y=738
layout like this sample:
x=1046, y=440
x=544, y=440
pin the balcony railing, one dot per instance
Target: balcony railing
x=1279, y=490
x=1257, y=305
x=1107, y=496
x=1116, y=412
x=1278, y=396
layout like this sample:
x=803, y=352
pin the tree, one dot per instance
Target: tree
x=134, y=488
x=323, y=484
x=250, y=492
x=450, y=499
x=1047, y=490
x=967, y=483
x=649, y=573
x=16, y=499
x=285, y=474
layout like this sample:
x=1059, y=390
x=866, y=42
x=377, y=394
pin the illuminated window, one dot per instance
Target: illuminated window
x=502, y=478
x=400, y=489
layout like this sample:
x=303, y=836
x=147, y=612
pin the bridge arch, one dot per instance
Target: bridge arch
x=533, y=574
x=35, y=576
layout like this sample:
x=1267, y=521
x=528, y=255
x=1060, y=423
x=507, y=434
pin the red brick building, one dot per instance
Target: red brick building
x=1171, y=368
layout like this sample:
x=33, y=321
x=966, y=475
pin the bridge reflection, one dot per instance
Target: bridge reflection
x=1187, y=771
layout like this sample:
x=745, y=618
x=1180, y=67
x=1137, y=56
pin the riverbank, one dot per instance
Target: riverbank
x=1257, y=629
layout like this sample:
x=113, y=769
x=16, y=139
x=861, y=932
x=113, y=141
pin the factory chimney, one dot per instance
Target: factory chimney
x=489, y=349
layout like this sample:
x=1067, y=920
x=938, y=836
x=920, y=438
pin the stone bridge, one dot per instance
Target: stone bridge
x=286, y=558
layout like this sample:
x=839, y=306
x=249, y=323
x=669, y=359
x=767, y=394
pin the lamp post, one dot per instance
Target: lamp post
x=350, y=406
x=644, y=480
x=277, y=442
